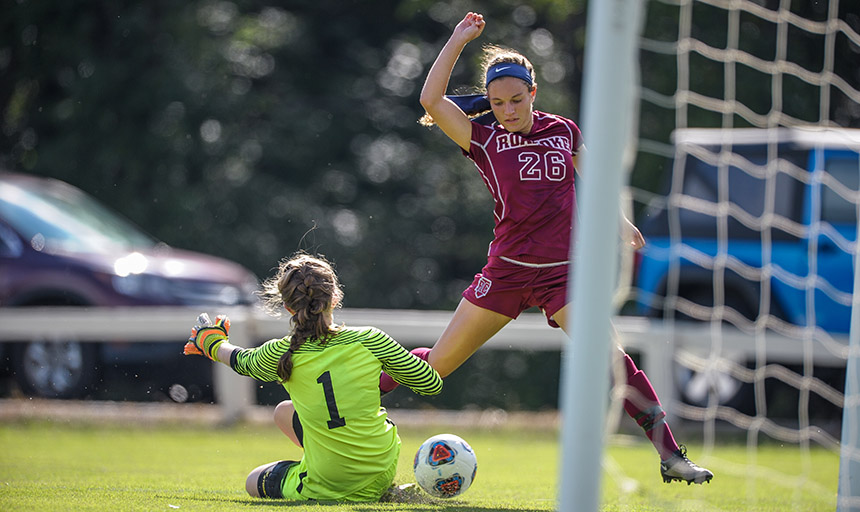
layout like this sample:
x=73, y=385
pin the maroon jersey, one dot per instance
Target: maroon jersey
x=531, y=179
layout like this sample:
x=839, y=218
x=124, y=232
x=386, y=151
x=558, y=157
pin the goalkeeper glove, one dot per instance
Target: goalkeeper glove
x=206, y=337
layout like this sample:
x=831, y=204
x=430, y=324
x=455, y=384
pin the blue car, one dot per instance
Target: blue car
x=762, y=221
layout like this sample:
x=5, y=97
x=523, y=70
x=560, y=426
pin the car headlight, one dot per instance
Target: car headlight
x=142, y=286
x=189, y=292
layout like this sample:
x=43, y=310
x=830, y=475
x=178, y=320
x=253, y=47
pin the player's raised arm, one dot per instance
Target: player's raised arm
x=444, y=112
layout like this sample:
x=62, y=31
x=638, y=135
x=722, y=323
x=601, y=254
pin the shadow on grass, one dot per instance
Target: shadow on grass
x=428, y=504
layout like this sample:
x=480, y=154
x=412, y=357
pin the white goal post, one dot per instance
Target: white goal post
x=720, y=78
x=848, y=499
x=613, y=29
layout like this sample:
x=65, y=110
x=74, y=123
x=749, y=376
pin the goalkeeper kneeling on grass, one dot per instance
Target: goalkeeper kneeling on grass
x=331, y=373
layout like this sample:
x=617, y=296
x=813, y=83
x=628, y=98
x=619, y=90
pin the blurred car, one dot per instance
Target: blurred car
x=61, y=247
x=803, y=239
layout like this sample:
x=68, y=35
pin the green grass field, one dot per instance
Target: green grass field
x=61, y=466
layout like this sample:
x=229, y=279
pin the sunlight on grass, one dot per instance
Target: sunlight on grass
x=50, y=466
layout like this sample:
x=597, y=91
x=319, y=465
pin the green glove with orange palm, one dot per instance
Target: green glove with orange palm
x=206, y=337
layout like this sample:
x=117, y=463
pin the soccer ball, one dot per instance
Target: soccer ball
x=445, y=466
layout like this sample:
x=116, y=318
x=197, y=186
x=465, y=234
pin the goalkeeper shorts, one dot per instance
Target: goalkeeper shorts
x=285, y=480
x=271, y=480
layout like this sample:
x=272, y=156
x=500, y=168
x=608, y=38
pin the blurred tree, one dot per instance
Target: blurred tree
x=251, y=130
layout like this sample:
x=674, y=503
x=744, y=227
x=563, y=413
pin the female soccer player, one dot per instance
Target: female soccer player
x=331, y=373
x=527, y=160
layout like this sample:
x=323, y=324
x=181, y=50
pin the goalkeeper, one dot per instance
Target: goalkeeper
x=331, y=373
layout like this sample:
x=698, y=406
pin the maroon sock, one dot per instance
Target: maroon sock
x=643, y=406
x=387, y=384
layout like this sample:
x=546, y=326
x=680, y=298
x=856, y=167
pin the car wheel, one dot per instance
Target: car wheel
x=55, y=369
x=697, y=387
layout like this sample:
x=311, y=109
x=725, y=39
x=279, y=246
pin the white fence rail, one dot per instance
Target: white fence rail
x=659, y=344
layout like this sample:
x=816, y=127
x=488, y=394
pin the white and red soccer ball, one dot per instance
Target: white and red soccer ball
x=445, y=466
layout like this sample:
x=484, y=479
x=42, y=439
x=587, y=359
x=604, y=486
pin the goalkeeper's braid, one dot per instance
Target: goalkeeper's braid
x=308, y=287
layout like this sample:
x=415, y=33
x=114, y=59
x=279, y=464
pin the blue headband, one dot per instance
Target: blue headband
x=509, y=69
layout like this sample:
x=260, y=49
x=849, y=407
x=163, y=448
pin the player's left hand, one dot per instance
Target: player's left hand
x=206, y=337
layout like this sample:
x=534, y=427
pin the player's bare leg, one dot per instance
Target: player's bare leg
x=642, y=404
x=254, y=477
x=283, y=416
x=286, y=419
x=266, y=481
x=470, y=327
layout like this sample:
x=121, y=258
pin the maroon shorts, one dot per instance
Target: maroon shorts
x=509, y=289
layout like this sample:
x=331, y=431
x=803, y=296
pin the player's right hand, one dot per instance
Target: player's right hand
x=471, y=26
x=207, y=337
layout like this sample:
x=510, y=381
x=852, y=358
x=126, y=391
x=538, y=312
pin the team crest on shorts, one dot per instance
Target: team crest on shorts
x=483, y=287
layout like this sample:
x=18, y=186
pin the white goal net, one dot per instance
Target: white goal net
x=745, y=185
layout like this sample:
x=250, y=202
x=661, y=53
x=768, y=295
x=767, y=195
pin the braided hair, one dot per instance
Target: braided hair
x=308, y=286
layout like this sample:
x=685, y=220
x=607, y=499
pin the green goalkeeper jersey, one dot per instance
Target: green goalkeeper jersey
x=348, y=440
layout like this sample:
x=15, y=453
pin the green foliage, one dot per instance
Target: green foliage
x=287, y=126
x=55, y=466
x=293, y=126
